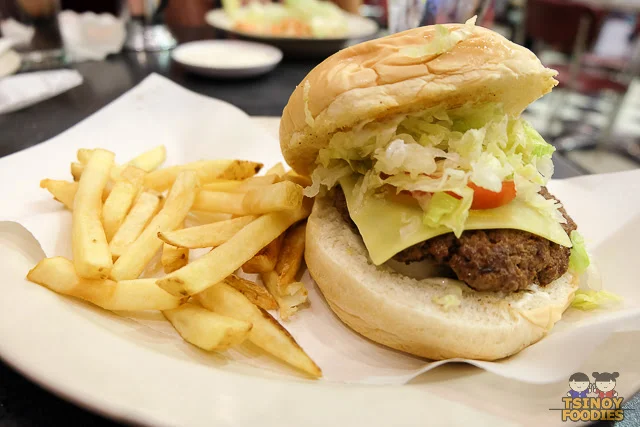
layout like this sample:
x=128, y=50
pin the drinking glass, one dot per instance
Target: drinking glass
x=32, y=28
x=146, y=30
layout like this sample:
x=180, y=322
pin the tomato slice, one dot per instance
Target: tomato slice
x=486, y=199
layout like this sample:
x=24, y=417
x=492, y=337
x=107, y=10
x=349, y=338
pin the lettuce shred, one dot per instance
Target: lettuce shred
x=587, y=300
x=449, y=301
x=579, y=258
x=443, y=41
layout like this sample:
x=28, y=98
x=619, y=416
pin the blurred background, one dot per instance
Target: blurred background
x=593, y=118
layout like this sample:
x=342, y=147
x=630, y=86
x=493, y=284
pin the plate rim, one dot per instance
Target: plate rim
x=266, y=65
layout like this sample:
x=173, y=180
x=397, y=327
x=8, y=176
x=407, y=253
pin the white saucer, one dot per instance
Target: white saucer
x=227, y=58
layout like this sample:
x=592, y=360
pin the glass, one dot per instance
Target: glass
x=408, y=14
x=32, y=27
x=145, y=29
x=405, y=14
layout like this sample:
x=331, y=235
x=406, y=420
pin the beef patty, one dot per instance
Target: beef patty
x=489, y=260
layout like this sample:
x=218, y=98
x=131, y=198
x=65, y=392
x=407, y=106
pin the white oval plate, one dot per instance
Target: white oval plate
x=227, y=58
x=358, y=28
x=144, y=375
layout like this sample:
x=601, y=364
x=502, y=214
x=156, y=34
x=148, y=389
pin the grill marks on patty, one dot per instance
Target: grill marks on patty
x=489, y=260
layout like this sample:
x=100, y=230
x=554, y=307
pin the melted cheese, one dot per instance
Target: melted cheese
x=380, y=220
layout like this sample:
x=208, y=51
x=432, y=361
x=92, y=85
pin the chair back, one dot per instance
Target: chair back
x=557, y=22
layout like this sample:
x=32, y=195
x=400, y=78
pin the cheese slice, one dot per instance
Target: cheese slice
x=380, y=220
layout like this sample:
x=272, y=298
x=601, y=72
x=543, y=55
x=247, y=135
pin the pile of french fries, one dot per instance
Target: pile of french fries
x=125, y=215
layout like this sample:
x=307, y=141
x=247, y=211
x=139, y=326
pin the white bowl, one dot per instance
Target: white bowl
x=227, y=59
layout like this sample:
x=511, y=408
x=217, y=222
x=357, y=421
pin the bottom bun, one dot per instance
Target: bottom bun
x=399, y=311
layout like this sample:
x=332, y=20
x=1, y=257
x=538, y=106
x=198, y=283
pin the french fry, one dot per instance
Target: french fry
x=301, y=180
x=288, y=302
x=223, y=185
x=173, y=257
x=205, y=236
x=91, y=256
x=84, y=154
x=240, y=169
x=276, y=169
x=150, y=160
x=134, y=223
x=212, y=201
x=271, y=198
x=206, y=170
x=256, y=182
x=62, y=191
x=254, y=292
x=196, y=218
x=65, y=191
x=122, y=196
x=231, y=186
x=290, y=257
x=228, y=257
x=266, y=333
x=138, y=254
x=257, y=200
x=58, y=275
x=206, y=329
x=78, y=168
x=266, y=259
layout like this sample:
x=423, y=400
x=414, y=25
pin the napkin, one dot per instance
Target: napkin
x=89, y=36
x=9, y=59
x=193, y=127
x=23, y=90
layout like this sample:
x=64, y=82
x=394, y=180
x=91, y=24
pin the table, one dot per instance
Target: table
x=23, y=403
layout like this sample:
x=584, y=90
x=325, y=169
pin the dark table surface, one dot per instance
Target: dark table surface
x=22, y=403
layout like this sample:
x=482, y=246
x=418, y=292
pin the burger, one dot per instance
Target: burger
x=433, y=232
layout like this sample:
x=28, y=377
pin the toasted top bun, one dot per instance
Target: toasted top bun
x=379, y=78
x=400, y=312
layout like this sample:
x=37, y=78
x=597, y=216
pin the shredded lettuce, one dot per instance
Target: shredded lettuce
x=445, y=209
x=326, y=176
x=579, y=258
x=437, y=151
x=590, y=300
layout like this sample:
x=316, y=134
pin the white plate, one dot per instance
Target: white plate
x=139, y=373
x=227, y=58
x=358, y=28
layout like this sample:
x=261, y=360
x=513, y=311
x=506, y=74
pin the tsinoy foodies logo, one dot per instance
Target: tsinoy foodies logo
x=595, y=400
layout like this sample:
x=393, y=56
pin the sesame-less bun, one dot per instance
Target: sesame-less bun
x=398, y=311
x=380, y=78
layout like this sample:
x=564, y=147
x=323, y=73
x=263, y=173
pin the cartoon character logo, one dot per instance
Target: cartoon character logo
x=579, y=385
x=605, y=384
x=592, y=401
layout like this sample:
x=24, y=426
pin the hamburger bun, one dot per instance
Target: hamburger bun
x=399, y=311
x=380, y=78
